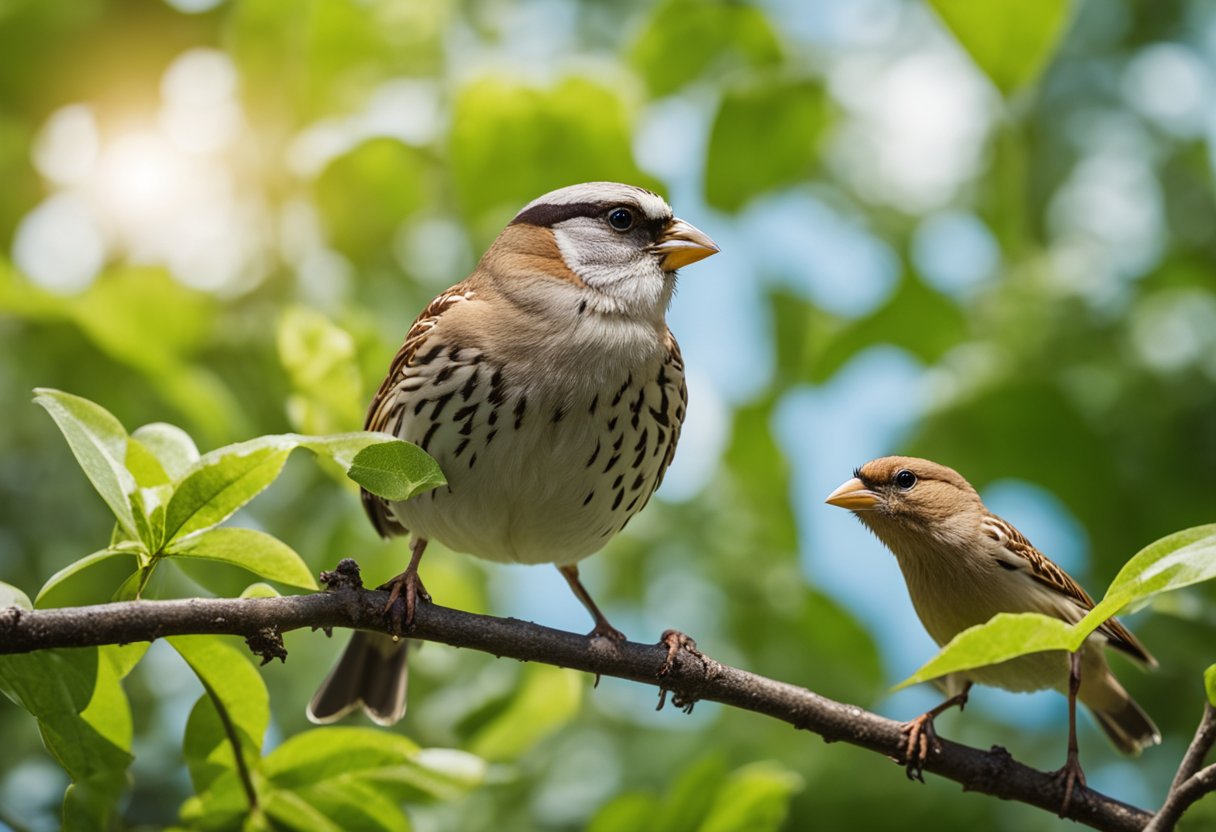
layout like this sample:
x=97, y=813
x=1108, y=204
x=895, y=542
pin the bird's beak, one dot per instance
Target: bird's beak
x=682, y=244
x=854, y=496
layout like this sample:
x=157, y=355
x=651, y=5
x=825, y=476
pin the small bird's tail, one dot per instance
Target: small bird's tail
x=1125, y=722
x=372, y=673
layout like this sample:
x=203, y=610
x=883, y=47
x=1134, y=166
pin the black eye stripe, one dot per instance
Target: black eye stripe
x=549, y=214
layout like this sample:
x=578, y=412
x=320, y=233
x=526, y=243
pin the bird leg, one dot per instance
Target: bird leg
x=922, y=736
x=1071, y=773
x=602, y=628
x=412, y=586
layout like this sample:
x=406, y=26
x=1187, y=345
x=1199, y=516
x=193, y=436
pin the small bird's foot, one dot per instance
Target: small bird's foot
x=404, y=593
x=1072, y=777
x=605, y=630
x=677, y=642
x=921, y=740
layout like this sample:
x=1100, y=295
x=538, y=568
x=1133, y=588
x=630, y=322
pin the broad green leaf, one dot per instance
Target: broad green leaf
x=292, y=811
x=171, y=446
x=546, y=699
x=260, y=553
x=61, y=589
x=395, y=470
x=766, y=134
x=756, y=798
x=1175, y=561
x=99, y=443
x=342, y=448
x=1009, y=40
x=1209, y=684
x=686, y=39
x=631, y=812
x=233, y=684
x=353, y=804
x=320, y=361
x=10, y=596
x=1006, y=636
x=223, y=806
x=84, y=720
x=144, y=465
x=685, y=806
x=389, y=762
x=260, y=590
x=223, y=481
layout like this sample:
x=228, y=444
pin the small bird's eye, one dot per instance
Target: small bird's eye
x=905, y=479
x=621, y=219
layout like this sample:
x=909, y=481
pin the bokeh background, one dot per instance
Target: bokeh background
x=993, y=245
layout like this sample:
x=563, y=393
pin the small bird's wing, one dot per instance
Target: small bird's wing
x=1017, y=553
x=387, y=407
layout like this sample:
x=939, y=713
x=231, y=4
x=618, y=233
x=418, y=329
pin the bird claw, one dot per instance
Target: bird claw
x=1073, y=776
x=605, y=630
x=400, y=611
x=677, y=642
x=921, y=740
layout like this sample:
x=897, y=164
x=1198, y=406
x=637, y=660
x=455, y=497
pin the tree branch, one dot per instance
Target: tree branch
x=672, y=665
x=1191, y=782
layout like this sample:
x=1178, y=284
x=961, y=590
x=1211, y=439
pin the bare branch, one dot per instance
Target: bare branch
x=1191, y=782
x=672, y=665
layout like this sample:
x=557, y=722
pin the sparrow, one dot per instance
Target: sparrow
x=963, y=565
x=551, y=392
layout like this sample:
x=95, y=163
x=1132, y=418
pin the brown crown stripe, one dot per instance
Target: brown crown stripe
x=549, y=214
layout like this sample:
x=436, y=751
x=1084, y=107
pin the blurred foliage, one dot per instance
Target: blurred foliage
x=226, y=218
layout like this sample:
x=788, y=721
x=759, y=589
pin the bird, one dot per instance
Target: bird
x=962, y=565
x=551, y=392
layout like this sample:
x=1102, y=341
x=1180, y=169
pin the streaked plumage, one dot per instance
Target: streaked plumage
x=546, y=384
x=963, y=565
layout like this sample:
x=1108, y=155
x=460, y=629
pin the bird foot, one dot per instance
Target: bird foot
x=1072, y=776
x=921, y=740
x=404, y=593
x=605, y=630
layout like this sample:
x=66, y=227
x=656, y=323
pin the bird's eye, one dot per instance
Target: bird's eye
x=621, y=219
x=905, y=479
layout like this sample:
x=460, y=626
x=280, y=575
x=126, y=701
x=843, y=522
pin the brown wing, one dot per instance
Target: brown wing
x=1040, y=568
x=383, y=412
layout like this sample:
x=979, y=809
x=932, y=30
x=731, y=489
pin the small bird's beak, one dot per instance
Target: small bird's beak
x=682, y=244
x=854, y=496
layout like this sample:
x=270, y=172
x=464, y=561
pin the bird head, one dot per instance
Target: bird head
x=618, y=245
x=904, y=499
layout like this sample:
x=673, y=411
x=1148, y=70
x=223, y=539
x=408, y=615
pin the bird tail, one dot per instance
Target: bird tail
x=372, y=673
x=1128, y=726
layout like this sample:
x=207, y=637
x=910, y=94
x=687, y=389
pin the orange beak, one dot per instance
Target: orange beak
x=682, y=244
x=853, y=495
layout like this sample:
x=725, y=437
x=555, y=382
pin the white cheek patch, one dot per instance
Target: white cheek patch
x=624, y=280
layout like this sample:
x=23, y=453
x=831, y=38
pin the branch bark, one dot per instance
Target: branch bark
x=1191, y=782
x=672, y=666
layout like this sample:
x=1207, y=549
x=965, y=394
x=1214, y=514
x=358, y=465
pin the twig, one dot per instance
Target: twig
x=1191, y=782
x=690, y=676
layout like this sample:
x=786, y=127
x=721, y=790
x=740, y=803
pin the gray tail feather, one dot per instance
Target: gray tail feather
x=371, y=674
x=1128, y=726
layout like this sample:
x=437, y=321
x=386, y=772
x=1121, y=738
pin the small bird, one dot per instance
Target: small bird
x=551, y=392
x=963, y=565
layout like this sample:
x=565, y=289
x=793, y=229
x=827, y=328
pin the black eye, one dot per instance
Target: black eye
x=621, y=219
x=905, y=479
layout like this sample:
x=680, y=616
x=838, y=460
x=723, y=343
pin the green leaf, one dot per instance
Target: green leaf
x=236, y=693
x=144, y=465
x=320, y=361
x=766, y=134
x=342, y=448
x=633, y=811
x=54, y=592
x=171, y=446
x=260, y=590
x=292, y=811
x=1209, y=684
x=223, y=481
x=260, y=553
x=99, y=443
x=546, y=699
x=1009, y=40
x=349, y=804
x=10, y=596
x=686, y=39
x=756, y=798
x=395, y=470
x=685, y=807
x=84, y=719
x=1175, y=561
x=1006, y=636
